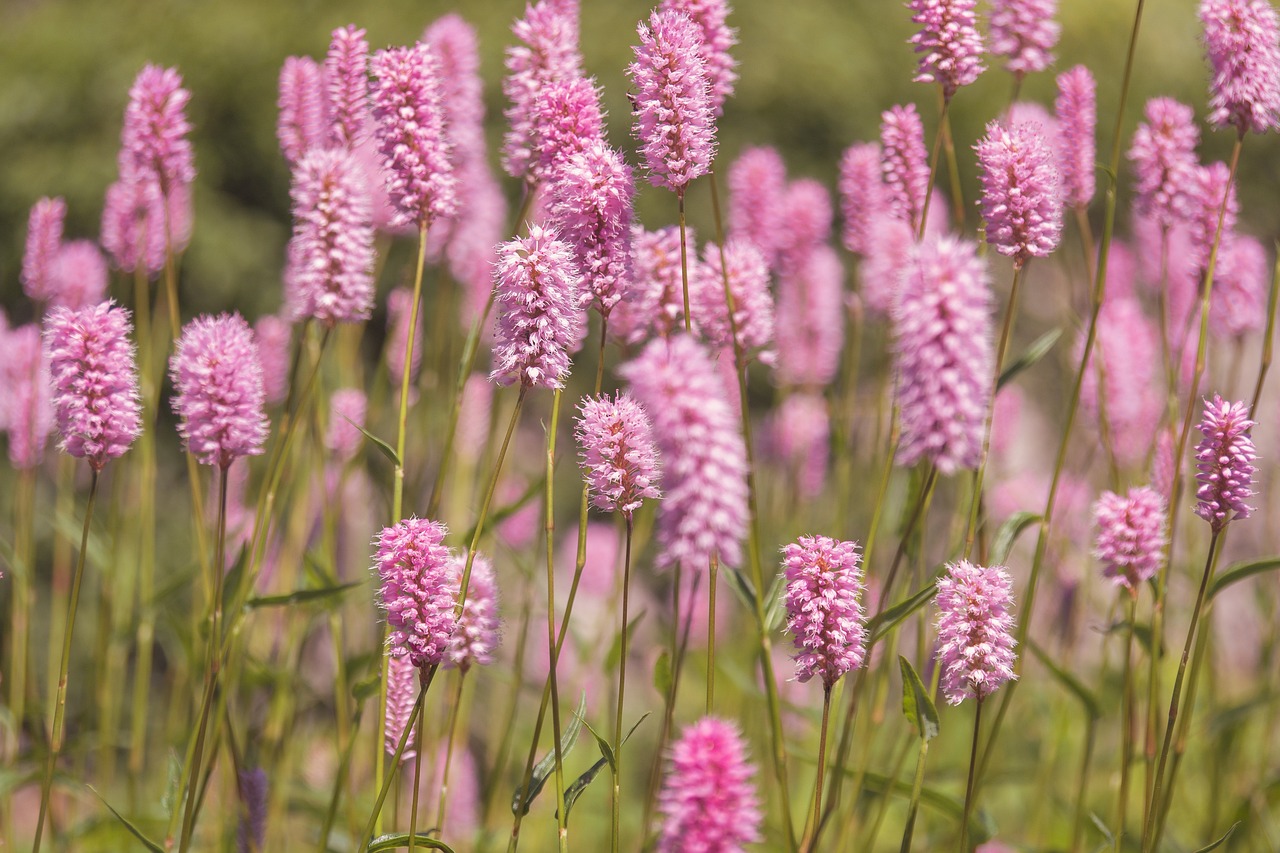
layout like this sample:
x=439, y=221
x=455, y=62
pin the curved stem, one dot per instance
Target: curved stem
x=622, y=685
x=822, y=759
x=916, y=786
x=933, y=168
x=417, y=774
x=969, y=786
x=367, y=835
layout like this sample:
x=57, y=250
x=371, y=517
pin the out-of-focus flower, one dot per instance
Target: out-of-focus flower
x=1163, y=154
x=1024, y=32
x=1242, y=42
x=717, y=38
x=1131, y=535
x=905, y=163
x=478, y=632
x=300, y=125
x=752, y=303
x=44, y=238
x=707, y=801
x=1077, y=112
x=549, y=52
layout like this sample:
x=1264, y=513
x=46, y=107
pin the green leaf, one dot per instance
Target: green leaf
x=605, y=750
x=579, y=787
x=1009, y=533
x=774, y=606
x=362, y=690
x=10, y=558
x=1103, y=828
x=387, y=450
x=662, y=673
x=301, y=596
x=503, y=513
x=133, y=830
x=1223, y=840
x=981, y=826
x=1240, y=571
x=742, y=588
x=396, y=842
x=172, y=781
x=1091, y=705
x=917, y=706
x=231, y=583
x=1039, y=349
x=881, y=624
x=520, y=801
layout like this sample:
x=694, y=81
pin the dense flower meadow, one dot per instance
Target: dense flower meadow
x=865, y=517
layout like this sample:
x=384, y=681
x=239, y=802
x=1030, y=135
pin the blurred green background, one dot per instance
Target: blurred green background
x=815, y=75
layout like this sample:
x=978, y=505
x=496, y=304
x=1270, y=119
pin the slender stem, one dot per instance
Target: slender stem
x=822, y=758
x=916, y=786
x=711, y=631
x=60, y=704
x=1082, y=785
x=684, y=263
x=448, y=750
x=367, y=835
x=561, y=812
x=1126, y=723
x=417, y=774
x=953, y=170
x=1265, y=363
x=1155, y=823
x=969, y=786
x=622, y=684
x=933, y=167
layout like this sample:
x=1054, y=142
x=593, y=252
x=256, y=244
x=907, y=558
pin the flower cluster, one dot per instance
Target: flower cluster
x=824, y=607
x=418, y=591
x=975, y=646
x=618, y=454
x=1077, y=113
x=949, y=42
x=478, y=631
x=1224, y=462
x=1242, y=42
x=1021, y=191
x=707, y=800
x=1131, y=535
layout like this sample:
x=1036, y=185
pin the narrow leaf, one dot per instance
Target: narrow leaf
x=1103, y=828
x=881, y=624
x=605, y=749
x=1240, y=571
x=1009, y=533
x=133, y=830
x=615, y=650
x=774, y=606
x=503, y=513
x=1039, y=349
x=981, y=826
x=396, y=842
x=579, y=786
x=301, y=596
x=742, y=588
x=917, y=705
x=387, y=450
x=1069, y=681
x=662, y=673
x=543, y=769
x=362, y=690
x=1223, y=840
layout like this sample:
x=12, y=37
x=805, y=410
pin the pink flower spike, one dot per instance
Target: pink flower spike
x=752, y=301
x=717, y=38
x=943, y=354
x=567, y=119
x=704, y=460
x=218, y=378
x=478, y=633
x=402, y=695
x=154, y=138
x=346, y=79
x=905, y=163
x=79, y=275
x=654, y=304
x=28, y=411
x=707, y=801
x=862, y=195
x=975, y=643
x=408, y=107
x=810, y=321
x=1240, y=288
x=619, y=458
x=1021, y=191
x=418, y=590
x=95, y=381
x=757, y=184
x=674, y=122
x=1224, y=460
x=300, y=126
x=1242, y=43
x=330, y=276
x=1209, y=190
x=1164, y=160
x=824, y=607
x=1129, y=345
x=801, y=437
x=1025, y=33
x=44, y=237
x=890, y=243
x=537, y=290
x=272, y=335
x=1131, y=535
x=949, y=41
x=347, y=410
x=804, y=226
x=1077, y=112
x=133, y=225
x=589, y=199
x=549, y=32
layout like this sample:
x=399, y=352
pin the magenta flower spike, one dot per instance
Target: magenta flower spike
x=331, y=254
x=1021, y=191
x=272, y=335
x=589, y=199
x=402, y=695
x=752, y=301
x=1224, y=460
x=948, y=41
x=133, y=226
x=1164, y=160
x=347, y=410
x=537, y=293
x=757, y=184
x=717, y=39
x=1239, y=298
x=479, y=631
x=707, y=801
x=79, y=275
x=346, y=79
x=863, y=196
x=890, y=242
x=809, y=327
x=1129, y=345
x=28, y=409
x=943, y=354
x=1131, y=535
x=801, y=437
x=549, y=52
x=399, y=306
x=154, y=140
x=1209, y=190
x=44, y=238
x=456, y=45
x=418, y=590
x=218, y=378
x=805, y=225
x=1242, y=43
x=568, y=119
x=905, y=163
x=975, y=643
x=1077, y=112
x=654, y=304
x=301, y=123
x=619, y=458
x=704, y=460
x=95, y=381
x=416, y=155
x=1024, y=32
x=675, y=122
x=824, y=607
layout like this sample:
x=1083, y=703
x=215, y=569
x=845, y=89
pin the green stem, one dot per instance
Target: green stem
x=916, y=786
x=933, y=167
x=367, y=835
x=561, y=813
x=448, y=750
x=684, y=263
x=953, y=170
x=417, y=773
x=711, y=632
x=1126, y=724
x=822, y=760
x=622, y=684
x=969, y=786
x=60, y=704
x=1082, y=785
x=1265, y=362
